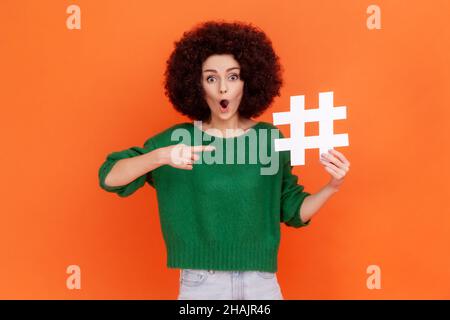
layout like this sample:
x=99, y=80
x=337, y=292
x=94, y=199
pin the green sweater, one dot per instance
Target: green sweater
x=222, y=215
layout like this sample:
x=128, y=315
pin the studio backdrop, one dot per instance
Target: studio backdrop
x=80, y=79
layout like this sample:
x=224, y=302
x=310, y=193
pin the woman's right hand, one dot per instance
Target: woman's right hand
x=182, y=156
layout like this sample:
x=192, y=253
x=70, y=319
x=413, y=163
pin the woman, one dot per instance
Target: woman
x=220, y=218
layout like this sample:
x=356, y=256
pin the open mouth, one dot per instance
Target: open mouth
x=224, y=105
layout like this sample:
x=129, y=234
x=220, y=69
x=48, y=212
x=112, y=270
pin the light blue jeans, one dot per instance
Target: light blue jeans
x=196, y=284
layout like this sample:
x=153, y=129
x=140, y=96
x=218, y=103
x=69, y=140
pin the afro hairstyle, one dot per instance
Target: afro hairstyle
x=250, y=47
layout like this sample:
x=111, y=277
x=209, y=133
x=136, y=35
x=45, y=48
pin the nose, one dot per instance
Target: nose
x=223, y=88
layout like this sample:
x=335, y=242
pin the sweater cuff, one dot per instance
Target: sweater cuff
x=296, y=221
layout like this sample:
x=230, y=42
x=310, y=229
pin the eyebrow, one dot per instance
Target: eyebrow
x=212, y=70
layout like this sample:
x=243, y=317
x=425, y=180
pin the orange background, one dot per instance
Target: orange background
x=70, y=97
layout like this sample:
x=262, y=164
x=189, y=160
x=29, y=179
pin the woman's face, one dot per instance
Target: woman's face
x=221, y=81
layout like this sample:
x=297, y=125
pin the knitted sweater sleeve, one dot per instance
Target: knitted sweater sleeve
x=292, y=194
x=112, y=158
x=292, y=197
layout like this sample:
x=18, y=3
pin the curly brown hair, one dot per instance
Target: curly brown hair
x=250, y=47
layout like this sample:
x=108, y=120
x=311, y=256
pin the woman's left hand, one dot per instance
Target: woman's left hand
x=336, y=165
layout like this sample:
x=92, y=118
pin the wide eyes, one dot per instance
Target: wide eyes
x=232, y=77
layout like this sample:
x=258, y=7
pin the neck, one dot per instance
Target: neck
x=234, y=123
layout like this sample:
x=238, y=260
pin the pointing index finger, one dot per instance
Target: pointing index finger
x=202, y=148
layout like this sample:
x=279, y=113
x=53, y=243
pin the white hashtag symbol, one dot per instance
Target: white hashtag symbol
x=298, y=116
